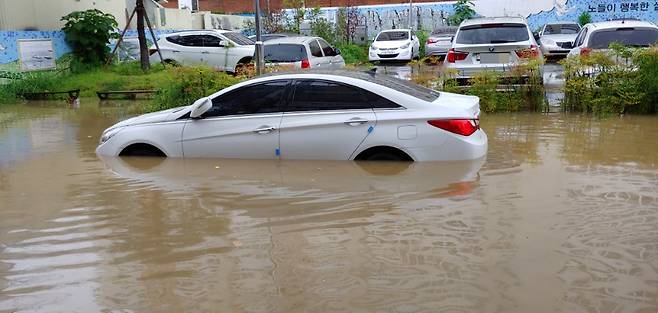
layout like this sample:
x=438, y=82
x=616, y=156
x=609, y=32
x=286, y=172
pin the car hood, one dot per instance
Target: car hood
x=390, y=44
x=560, y=37
x=155, y=117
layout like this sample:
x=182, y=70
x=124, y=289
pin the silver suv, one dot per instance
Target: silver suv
x=494, y=44
x=302, y=52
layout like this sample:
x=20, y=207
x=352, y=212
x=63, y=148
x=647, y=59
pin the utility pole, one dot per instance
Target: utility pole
x=141, y=36
x=259, y=43
x=411, y=8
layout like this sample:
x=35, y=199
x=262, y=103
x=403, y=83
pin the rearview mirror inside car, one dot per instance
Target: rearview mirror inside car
x=200, y=106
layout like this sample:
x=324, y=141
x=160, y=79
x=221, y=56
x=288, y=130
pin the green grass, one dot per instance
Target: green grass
x=354, y=54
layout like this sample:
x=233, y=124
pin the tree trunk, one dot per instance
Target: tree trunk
x=141, y=35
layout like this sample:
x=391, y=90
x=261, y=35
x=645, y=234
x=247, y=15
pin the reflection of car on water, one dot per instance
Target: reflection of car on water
x=263, y=177
x=337, y=115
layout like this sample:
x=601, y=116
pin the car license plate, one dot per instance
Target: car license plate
x=494, y=58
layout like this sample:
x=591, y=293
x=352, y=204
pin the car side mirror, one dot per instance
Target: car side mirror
x=200, y=106
x=223, y=43
x=337, y=51
x=536, y=35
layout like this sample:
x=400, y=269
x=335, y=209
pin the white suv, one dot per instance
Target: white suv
x=599, y=36
x=221, y=49
x=493, y=44
x=302, y=52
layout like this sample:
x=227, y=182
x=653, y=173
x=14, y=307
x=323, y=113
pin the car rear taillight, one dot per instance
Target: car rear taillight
x=306, y=63
x=454, y=56
x=585, y=51
x=152, y=51
x=530, y=53
x=464, y=127
x=431, y=40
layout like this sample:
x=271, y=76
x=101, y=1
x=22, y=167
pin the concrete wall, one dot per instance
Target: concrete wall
x=46, y=14
x=428, y=16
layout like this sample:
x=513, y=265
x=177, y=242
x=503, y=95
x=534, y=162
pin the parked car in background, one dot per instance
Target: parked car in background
x=221, y=49
x=493, y=44
x=266, y=37
x=302, y=52
x=599, y=36
x=440, y=41
x=329, y=115
x=394, y=45
x=555, y=39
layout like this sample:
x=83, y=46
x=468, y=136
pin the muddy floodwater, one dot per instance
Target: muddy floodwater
x=562, y=216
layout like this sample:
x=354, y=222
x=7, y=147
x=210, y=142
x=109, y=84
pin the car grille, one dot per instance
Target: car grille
x=385, y=56
x=564, y=45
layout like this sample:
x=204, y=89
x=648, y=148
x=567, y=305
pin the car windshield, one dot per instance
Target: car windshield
x=492, y=33
x=390, y=36
x=284, y=53
x=634, y=37
x=561, y=29
x=238, y=38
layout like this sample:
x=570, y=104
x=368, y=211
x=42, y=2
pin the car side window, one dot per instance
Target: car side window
x=318, y=95
x=211, y=41
x=192, y=41
x=253, y=99
x=379, y=102
x=326, y=48
x=316, y=51
x=581, y=39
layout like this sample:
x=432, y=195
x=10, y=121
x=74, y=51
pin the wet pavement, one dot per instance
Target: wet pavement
x=562, y=216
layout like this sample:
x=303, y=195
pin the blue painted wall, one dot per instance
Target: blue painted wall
x=9, y=42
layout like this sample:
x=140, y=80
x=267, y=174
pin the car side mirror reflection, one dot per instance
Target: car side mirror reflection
x=223, y=43
x=200, y=106
x=536, y=35
x=337, y=51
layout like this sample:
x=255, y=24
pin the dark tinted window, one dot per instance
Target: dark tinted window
x=238, y=38
x=492, y=33
x=326, y=48
x=316, y=95
x=388, y=36
x=316, y=51
x=379, y=102
x=284, y=53
x=253, y=99
x=561, y=29
x=211, y=41
x=580, y=39
x=447, y=31
x=635, y=37
x=189, y=40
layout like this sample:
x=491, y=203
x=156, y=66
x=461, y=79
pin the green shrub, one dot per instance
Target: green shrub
x=584, y=18
x=353, y=54
x=190, y=84
x=624, y=80
x=422, y=38
x=89, y=33
x=31, y=82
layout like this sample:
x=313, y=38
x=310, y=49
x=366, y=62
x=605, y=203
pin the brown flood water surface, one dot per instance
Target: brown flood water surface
x=561, y=217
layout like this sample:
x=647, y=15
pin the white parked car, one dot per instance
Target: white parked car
x=492, y=44
x=599, y=36
x=221, y=49
x=338, y=115
x=302, y=52
x=394, y=45
x=556, y=38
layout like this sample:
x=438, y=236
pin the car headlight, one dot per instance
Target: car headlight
x=373, y=47
x=109, y=133
x=406, y=46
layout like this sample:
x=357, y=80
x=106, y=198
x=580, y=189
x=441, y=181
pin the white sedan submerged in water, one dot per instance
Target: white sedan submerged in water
x=312, y=115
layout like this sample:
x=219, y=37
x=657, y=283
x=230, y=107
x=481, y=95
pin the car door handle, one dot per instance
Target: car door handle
x=356, y=121
x=175, y=51
x=205, y=52
x=264, y=130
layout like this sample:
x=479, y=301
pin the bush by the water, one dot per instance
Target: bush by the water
x=621, y=80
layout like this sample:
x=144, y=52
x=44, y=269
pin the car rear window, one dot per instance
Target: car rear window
x=238, y=38
x=284, y=53
x=634, y=37
x=406, y=87
x=561, y=29
x=390, y=36
x=492, y=33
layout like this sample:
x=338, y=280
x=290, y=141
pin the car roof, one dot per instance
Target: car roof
x=622, y=23
x=562, y=23
x=493, y=20
x=367, y=76
x=200, y=31
x=395, y=30
x=291, y=40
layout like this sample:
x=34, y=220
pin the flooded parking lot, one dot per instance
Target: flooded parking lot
x=562, y=216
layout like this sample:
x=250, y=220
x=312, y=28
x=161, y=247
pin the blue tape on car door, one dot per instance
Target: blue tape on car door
x=370, y=129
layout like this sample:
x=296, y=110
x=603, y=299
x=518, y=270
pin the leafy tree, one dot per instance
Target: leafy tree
x=320, y=26
x=463, y=11
x=89, y=33
x=584, y=18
